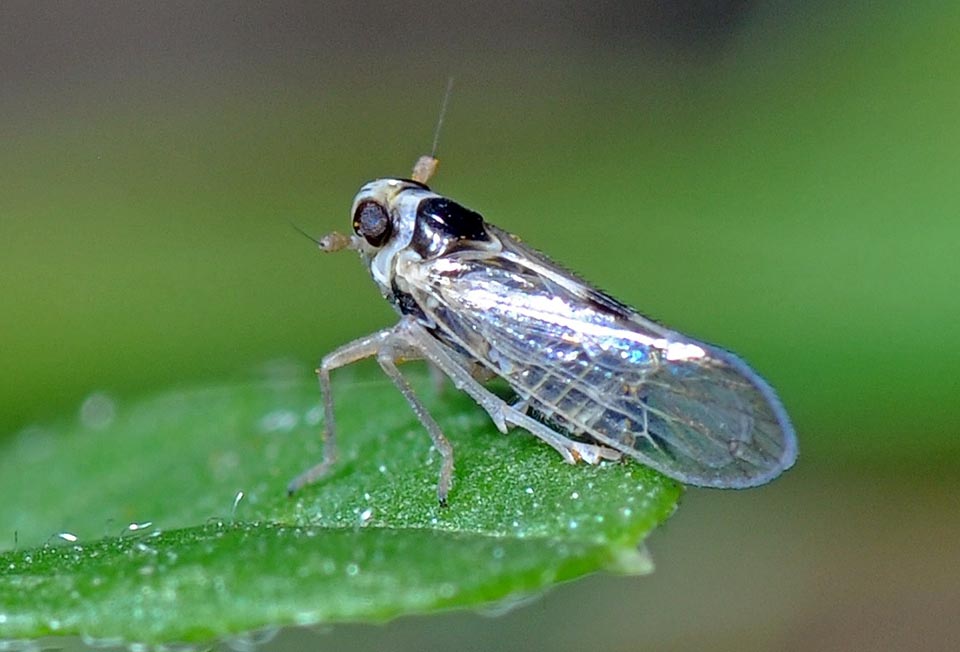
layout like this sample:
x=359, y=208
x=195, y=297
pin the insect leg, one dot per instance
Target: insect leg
x=417, y=337
x=388, y=356
x=501, y=413
x=571, y=450
x=364, y=347
x=437, y=377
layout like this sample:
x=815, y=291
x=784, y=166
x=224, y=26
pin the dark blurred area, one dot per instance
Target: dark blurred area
x=50, y=43
x=777, y=177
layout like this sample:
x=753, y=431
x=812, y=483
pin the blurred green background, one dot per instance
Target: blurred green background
x=782, y=180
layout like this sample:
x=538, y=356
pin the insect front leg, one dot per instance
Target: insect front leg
x=388, y=356
x=365, y=347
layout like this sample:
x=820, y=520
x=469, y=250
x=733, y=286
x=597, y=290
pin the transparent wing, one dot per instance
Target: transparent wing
x=597, y=369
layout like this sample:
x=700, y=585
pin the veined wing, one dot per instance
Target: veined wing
x=599, y=370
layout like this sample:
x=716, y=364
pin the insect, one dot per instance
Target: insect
x=593, y=378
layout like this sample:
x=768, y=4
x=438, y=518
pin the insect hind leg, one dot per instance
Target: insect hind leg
x=571, y=450
x=503, y=414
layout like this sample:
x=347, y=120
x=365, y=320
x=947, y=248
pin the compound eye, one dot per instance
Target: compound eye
x=373, y=223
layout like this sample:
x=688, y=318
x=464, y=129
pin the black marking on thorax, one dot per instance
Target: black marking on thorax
x=442, y=224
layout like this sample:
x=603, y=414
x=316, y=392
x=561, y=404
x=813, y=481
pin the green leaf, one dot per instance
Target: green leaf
x=165, y=552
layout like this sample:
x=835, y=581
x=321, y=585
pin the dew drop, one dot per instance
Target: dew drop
x=97, y=411
x=447, y=590
x=313, y=416
x=279, y=421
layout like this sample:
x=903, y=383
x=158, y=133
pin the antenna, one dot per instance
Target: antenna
x=330, y=242
x=443, y=114
x=426, y=166
x=306, y=235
